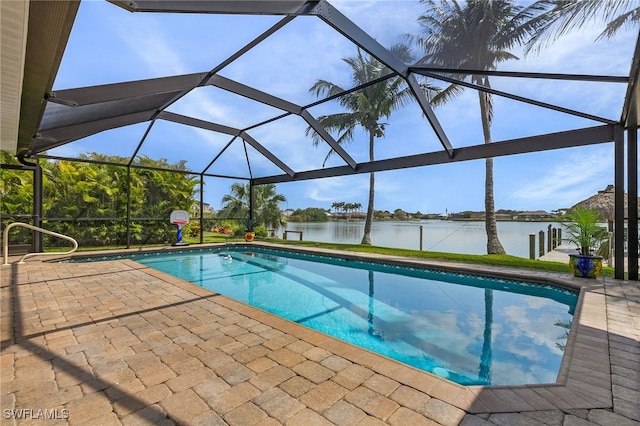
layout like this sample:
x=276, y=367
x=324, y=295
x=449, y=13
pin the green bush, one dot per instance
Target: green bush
x=193, y=229
x=261, y=231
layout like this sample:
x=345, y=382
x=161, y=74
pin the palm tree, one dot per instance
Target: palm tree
x=266, y=204
x=236, y=202
x=366, y=108
x=476, y=35
x=338, y=205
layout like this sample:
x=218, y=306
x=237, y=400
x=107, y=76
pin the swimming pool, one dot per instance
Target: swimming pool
x=470, y=329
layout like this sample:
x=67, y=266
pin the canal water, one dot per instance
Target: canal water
x=437, y=235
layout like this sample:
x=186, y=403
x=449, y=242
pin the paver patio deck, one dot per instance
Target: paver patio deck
x=115, y=342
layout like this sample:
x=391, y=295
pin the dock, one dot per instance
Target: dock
x=559, y=254
x=562, y=252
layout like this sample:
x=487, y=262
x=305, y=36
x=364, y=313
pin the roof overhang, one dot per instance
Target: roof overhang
x=14, y=17
x=34, y=36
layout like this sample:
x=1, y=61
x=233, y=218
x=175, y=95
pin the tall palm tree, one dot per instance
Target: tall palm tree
x=366, y=108
x=476, y=35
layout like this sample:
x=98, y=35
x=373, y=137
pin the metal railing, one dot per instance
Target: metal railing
x=5, y=242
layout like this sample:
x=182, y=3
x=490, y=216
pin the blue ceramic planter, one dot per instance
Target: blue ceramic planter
x=585, y=266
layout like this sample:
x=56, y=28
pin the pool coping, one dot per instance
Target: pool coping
x=584, y=379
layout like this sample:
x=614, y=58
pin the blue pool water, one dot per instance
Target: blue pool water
x=469, y=329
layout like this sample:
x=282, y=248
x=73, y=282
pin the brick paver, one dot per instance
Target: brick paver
x=323, y=396
x=278, y=404
x=343, y=413
x=118, y=343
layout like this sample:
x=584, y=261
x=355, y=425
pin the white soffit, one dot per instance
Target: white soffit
x=14, y=17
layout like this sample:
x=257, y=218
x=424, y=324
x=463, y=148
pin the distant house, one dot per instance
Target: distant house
x=535, y=215
x=206, y=209
x=287, y=212
x=480, y=216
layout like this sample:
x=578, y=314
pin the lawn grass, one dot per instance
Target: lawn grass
x=487, y=259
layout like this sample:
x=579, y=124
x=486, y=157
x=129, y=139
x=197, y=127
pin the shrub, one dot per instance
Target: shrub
x=261, y=231
x=193, y=229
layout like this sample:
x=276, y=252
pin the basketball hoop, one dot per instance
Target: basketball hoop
x=180, y=218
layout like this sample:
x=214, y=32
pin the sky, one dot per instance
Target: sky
x=110, y=45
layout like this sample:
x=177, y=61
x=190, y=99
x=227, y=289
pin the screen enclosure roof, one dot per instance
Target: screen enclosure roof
x=244, y=110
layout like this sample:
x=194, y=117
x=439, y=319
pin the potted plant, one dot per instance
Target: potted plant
x=584, y=231
x=249, y=233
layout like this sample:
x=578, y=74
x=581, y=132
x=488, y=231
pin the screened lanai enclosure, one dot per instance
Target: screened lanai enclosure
x=223, y=92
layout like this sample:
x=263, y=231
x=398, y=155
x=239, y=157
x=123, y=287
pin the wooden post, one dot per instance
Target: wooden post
x=420, y=237
x=541, y=243
x=554, y=243
x=549, y=238
x=532, y=246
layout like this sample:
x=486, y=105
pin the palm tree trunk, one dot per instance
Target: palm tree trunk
x=493, y=243
x=366, y=238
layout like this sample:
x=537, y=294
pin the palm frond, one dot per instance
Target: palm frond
x=325, y=88
x=367, y=105
x=559, y=17
x=631, y=18
x=446, y=94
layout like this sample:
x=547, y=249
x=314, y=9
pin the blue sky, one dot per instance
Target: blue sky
x=110, y=45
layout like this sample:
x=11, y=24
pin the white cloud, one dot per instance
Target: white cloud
x=347, y=188
x=577, y=174
x=148, y=42
x=198, y=104
x=533, y=322
x=288, y=63
x=386, y=21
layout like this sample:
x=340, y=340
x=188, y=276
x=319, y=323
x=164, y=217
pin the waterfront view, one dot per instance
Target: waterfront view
x=468, y=237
